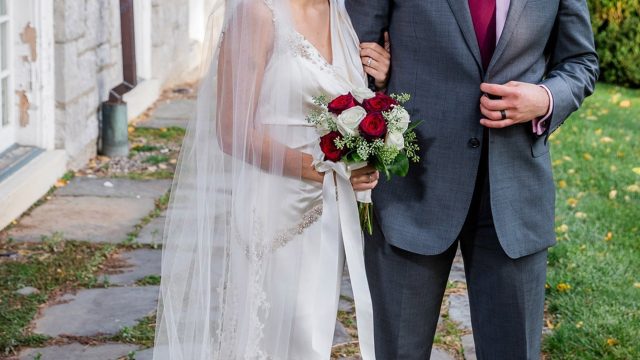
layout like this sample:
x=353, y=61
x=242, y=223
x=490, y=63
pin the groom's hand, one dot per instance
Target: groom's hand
x=512, y=103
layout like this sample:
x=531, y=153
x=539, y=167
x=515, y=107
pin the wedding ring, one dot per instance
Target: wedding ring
x=369, y=62
x=504, y=114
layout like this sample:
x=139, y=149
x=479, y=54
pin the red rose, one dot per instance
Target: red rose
x=373, y=126
x=342, y=103
x=329, y=148
x=381, y=102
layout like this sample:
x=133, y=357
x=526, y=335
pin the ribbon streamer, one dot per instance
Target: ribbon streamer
x=340, y=207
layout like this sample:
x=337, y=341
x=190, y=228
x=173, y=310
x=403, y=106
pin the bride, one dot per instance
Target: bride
x=256, y=237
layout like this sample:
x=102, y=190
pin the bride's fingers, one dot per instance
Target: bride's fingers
x=375, y=48
x=375, y=64
x=365, y=186
x=383, y=59
x=375, y=74
x=365, y=178
x=364, y=171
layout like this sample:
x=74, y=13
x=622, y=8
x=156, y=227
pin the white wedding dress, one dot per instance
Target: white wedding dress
x=254, y=254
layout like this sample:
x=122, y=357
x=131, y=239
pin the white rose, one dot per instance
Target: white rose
x=362, y=94
x=403, y=118
x=350, y=119
x=395, y=139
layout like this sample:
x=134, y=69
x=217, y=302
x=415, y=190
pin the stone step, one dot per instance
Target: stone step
x=85, y=218
x=110, y=187
x=97, y=311
x=79, y=352
x=138, y=265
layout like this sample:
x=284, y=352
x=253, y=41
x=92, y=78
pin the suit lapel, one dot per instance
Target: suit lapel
x=515, y=10
x=462, y=14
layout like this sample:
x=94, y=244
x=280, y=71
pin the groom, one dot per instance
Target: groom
x=492, y=79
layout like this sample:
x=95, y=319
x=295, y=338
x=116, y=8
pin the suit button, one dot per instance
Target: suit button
x=474, y=143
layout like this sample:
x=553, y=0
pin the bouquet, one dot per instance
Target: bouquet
x=363, y=127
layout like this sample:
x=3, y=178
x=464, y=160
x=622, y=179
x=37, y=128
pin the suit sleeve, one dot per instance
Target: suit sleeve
x=573, y=62
x=370, y=18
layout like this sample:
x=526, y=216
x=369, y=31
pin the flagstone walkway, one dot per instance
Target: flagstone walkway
x=110, y=210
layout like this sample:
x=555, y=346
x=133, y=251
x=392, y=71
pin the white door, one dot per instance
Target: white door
x=7, y=123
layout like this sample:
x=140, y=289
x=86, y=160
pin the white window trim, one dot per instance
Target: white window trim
x=8, y=132
x=144, y=45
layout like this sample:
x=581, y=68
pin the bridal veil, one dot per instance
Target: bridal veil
x=228, y=213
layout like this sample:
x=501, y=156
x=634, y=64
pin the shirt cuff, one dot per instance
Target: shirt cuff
x=540, y=124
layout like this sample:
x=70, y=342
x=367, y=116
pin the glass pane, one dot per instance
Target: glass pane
x=5, y=102
x=3, y=45
x=3, y=7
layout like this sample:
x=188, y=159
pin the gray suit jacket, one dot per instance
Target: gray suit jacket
x=436, y=58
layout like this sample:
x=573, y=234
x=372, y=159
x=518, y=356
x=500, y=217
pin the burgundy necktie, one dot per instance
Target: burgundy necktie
x=483, y=14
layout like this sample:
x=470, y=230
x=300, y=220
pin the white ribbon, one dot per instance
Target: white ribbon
x=340, y=205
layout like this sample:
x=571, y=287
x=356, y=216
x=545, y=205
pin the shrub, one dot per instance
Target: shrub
x=616, y=24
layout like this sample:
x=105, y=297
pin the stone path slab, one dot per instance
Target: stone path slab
x=79, y=352
x=152, y=232
x=457, y=269
x=340, y=335
x=469, y=347
x=438, y=354
x=459, y=310
x=345, y=287
x=144, y=354
x=173, y=114
x=142, y=263
x=95, y=219
x=97, y=311
x=107, y=187
x=177, y=109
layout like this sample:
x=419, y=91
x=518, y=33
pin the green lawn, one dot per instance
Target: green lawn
x=594, y=275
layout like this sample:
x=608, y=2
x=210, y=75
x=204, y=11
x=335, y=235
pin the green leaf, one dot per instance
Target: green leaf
x=352, y=157
x=414, y=124
x=400, y=165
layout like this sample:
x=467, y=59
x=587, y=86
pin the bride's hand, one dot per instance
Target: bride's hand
x=377, y=60
x=365, y=178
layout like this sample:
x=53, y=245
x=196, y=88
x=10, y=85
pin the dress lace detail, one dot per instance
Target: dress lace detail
x=257, y=249
x=308, y=219
x=269, y=4
x=301, y=47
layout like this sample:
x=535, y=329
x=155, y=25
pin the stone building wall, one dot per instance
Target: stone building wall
x=88, y=63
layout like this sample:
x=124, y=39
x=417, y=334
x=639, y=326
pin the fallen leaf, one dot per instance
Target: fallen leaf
x=562, y=228
x=562, y=184
x=636, y=285
x=572, y=202
x=606, y=140
x=625, y=104
x=636, y=170
x=587, y=156
x=609, y=236
x=581, y=215
x=633, y=188
x=613, y=194
x=612, y=342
